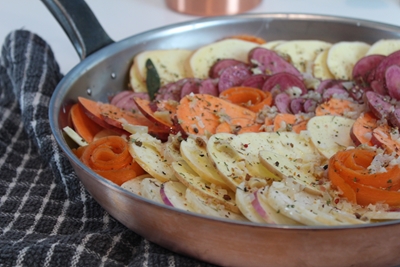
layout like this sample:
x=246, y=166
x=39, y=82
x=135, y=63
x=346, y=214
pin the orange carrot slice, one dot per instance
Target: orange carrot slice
x=334, y=106
x=381, y=136
x=110, y=158
x=348, y=170
x=361, y=131
x=202, y=113
x=291, y=123
x=251, y=98
x=82, y=124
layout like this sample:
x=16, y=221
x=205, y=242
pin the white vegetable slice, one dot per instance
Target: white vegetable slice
x=306, y=208
x=330, y=134
x=75, y=136
x=194, y=152
x=200, y=62
x=384, y=47
x=214, y=194
x=343, y=56
x=150, y=189
x=168, y=63
x=203, y=206
x=320, y=67
x=244, y=202
x=302, y=52
x=134, y=185
x=136, y=82
x=382, y=215
x=270, y=215
x=146, y=151
x=230, y=164
x=288, y=168
x=173, y=194
x=272, y=44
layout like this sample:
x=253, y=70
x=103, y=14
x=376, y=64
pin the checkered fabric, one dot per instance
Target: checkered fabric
x=47, y=218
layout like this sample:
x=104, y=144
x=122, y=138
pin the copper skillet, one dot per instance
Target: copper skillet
x=103, y=71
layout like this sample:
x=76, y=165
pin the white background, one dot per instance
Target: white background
x=123, y=18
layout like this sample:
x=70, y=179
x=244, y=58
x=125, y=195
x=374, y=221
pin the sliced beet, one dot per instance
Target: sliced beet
x=208, y=86
x=310, y=105
x=364, y=67
x=216, y=69
x=282, y=103
x=297, y=105
x=233, y=76
x=271, y=63
x=192, y=85
x=378, y=104
x=255, y=81
x=333, y=91
x=378, y=87
x=394, y=118
x=329, y=83
x=283, y=81
x=392, y=77
x=125, y=100
x=171, y=91
x=380, y=71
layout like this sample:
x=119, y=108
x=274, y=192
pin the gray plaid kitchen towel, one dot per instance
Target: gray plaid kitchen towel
x=47, y=218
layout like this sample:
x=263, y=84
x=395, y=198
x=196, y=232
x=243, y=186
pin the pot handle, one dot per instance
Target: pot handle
x=80, y=24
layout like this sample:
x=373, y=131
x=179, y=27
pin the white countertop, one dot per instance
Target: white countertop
x=123, y=18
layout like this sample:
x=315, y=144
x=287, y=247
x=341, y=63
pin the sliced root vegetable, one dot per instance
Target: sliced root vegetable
x=378, y=104
x=173, y=194
x=392, y=77
x=320, y=69
x=221, y=64
x=282, y=103
x=386, y=137
x=297, y=105
x=363, y=68
x=272, y=44
x=244, y=200
x=330, y=134
x=147, y=152
x=289, y=123
x=255, y=81
x=287, y=168
x=394, y=118
x=233, y=76
x=269, y=62
x=150, y=189
x=281, y=82
x=162, y=119
x=198, y=185
x=238, y=126
x=203, y=206
x=75, y=136
x=389, y=60
x=251, y=98
x=201, y=114
x=343, y=56
x=134, y=185
x=384, y=47
x=109, y=157
x=362, y=185
x=82, y=124
x=335, y=107
x=194, y=153
x=361, y=131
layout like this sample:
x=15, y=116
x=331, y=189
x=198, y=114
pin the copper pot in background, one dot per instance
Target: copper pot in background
x=212, y=7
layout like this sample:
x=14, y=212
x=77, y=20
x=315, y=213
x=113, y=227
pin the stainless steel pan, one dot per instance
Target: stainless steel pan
x=103, y=71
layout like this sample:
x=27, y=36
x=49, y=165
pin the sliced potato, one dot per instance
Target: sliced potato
x=384, y=47
x=200, y=62
x=194, y=152
x=194, y=182
x=320, y=67
x=330, y=134
x=342, y=57
x=136, y=82
x=272, y=44
x=150, y=189
x=134, y=185
x=302, y=52
x=244, y=200
x=169, y=64
x=147, y=152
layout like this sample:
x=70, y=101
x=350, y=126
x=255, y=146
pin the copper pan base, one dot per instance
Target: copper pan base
x=212, y=7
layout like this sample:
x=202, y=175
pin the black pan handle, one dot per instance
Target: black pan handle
x=80, y=24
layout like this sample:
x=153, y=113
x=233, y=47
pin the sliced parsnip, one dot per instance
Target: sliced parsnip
x=136, y=82
x=147, y=152
x=342, y=57
x=134, y=185
x=384, y=47
x=200, y=62
x=330, y=134
x=168, y=63
x=272, y=44
x=320, y=67
x=194, y=152
x=173, y=193
x=244, y=200
x=201, y=205
x=288, y=168
x=150, y=189
x=306, y=208
x=194, y=182
x=302, y=52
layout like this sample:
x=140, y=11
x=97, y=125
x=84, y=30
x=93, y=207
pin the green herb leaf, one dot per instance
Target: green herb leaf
x=152, y=79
